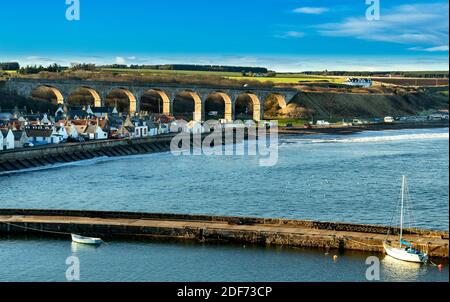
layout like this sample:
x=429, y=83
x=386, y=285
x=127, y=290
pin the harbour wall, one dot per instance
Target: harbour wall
x=70, y=152
x=27, y=158
x=217, y=229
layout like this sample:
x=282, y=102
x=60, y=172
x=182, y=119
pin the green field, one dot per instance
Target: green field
x=280, y=79
x=9, y=71
x=292, y=121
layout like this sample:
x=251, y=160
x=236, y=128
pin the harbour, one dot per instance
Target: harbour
x=218, y=225
x=214, y=229
x=232, y=150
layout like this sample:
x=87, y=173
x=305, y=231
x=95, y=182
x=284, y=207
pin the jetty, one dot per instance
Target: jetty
x=216, y=229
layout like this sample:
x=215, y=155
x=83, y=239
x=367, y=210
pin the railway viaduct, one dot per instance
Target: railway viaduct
x=99, y=90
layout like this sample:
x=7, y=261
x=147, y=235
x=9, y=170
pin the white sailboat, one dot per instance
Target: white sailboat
x=404, y=251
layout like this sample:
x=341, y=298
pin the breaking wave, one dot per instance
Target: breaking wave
x=371, y=139
x=87, y=162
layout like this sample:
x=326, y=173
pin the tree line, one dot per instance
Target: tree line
x=9, y=66
x=35, y=69
x=188, y=67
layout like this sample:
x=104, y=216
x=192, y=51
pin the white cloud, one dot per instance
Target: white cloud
x=120, y=60
x=423, y=24
x=311, y=10
x=292, y=34
x=430, y=49
x=295, y=34
x=40, y=60
x=437, y=48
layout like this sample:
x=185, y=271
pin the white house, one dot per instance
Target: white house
x=388, y=119
x=152, y=129
x=139, y=131
x=363, y=82
x=45, y=120
x=72, y=131
x=41, y=135
x=95, y=132
x=8, y=139
x=61, y=131
x=20, y=138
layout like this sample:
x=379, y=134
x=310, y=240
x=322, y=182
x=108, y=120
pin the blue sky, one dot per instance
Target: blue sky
x=284, y=35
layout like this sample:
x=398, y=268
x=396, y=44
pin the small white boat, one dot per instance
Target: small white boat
x=86, y=240
x=405, y=250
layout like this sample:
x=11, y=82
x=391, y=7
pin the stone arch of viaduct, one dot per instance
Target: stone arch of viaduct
x=167, y=93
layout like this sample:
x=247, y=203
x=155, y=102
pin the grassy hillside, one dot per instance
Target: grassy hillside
x=151, y=76
x=348, y=105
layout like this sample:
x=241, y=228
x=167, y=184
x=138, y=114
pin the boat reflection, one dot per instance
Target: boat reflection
x=398, y=270
x=78, y=247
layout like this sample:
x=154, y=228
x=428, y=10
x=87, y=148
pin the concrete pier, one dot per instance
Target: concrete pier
x=200, y=228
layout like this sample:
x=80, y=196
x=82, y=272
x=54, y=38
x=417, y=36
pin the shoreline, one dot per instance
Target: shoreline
x=216, y=229
x=47, y=156
x=361, y=128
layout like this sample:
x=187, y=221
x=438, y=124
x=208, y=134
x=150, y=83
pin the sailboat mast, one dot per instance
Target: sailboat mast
x=401, y=209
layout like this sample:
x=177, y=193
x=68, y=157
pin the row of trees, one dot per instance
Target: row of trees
x=188, y=67
x=34, y=69
x=269, y=74
x=83, y=66
x=9, y=66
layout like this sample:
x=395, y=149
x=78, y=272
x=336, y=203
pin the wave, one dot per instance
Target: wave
x=370, y=139
x=86, y=162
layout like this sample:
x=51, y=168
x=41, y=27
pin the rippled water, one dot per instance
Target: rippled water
x=45, y=260
x=353, y=178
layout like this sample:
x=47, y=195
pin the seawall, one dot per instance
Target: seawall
x=218, y=229
x=27, y=158
x=70, y=152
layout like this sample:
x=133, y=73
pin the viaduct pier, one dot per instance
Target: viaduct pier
x=217, y=229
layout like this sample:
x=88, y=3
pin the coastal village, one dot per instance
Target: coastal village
x=22, y=130
x=19, y=129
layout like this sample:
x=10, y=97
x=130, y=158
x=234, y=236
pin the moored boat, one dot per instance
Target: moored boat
x=86, y=240
x=406, y=254
x=405, y=250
